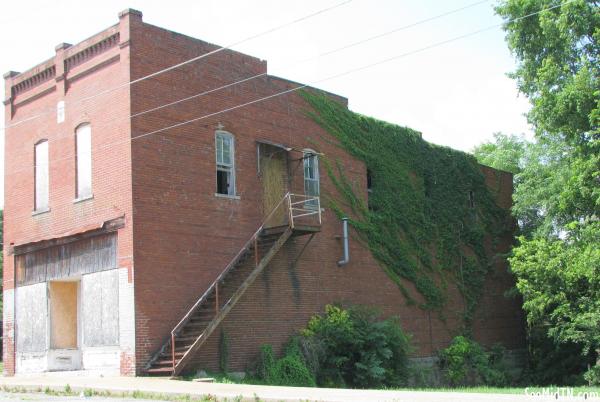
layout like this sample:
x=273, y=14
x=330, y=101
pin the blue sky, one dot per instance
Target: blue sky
x=457, y=94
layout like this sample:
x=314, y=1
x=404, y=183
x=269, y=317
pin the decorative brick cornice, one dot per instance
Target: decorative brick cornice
x=35, y=80
x=91, y=51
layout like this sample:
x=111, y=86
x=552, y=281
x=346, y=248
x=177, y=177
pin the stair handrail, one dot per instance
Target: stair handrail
x=304, y=210
x=247, y=245
x=219, y=278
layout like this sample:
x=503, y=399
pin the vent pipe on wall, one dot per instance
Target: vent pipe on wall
x=346, y=258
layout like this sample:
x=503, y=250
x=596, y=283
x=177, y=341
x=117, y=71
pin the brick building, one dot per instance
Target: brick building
x=116, y=227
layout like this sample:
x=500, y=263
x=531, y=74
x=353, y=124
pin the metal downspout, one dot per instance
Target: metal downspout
x=346, y=258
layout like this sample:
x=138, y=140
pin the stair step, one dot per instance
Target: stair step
x=197, y=324
x=189, y=338
x=160, y=370
x=167, y=356
x=228, y=292
x=163, y=362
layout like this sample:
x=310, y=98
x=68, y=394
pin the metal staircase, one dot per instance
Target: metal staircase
x=294, y=215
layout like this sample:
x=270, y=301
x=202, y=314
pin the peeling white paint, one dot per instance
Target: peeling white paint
x=8, y=314
x=102, y=358
x=31, y=362
x=126, y=314
x=64, y=359
x=107, y=309
x=32, y=318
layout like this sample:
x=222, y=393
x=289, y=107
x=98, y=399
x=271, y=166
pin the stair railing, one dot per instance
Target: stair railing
x=297, y=206
x=300, y=206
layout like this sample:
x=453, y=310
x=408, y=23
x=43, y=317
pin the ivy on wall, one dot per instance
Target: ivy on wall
x=428, y=210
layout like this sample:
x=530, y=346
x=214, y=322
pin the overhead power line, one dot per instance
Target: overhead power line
x=302, y=86
x=294, y=64
x=193, y=59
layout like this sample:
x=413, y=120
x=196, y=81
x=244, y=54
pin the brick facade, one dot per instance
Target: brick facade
x=177, y=231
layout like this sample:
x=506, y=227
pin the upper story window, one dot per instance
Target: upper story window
x=471, y=199
x=60, y=112
x=225, y=157
x=311, y=175
x=83, y=145
x=41, y=176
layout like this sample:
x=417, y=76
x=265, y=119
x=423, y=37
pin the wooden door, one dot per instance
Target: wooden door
x=63, y=315
x=274, y=177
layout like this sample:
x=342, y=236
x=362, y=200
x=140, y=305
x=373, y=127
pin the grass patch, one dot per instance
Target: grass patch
x=137, y=394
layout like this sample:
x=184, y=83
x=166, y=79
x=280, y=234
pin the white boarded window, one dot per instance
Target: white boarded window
x=225, y=156
x=41, y=175
x=60, y=112
x=311, y=176
x=83, y=144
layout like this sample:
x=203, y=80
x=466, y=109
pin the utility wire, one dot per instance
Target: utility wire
x=302, y=86
x=325, y=54
x=347, y=72
x=173, y=67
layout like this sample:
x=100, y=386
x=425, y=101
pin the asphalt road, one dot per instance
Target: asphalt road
x=41, y=397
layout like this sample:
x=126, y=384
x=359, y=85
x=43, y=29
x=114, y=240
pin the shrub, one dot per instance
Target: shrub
x=466, y=363
x=265, y=363
x=552, y=363
x=592, y=376
x=289, y=370
x=354, y=348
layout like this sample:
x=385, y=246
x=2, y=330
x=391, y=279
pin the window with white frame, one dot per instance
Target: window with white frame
x=83, y=145
x=41, y=176
x=311, y=176
x=225, y=158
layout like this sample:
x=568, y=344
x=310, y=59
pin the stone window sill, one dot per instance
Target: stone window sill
x=40, y=211
x=77, y=200
x=231, y=197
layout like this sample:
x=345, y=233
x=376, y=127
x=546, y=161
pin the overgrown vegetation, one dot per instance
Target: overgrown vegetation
x=429, y=211
x=290, y=369
x=341, y=348
x=557, y=186
x=466, y=363
x=224, y=352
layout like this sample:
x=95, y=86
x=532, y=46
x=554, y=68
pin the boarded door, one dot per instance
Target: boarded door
x=63, y=315
x=274, y=176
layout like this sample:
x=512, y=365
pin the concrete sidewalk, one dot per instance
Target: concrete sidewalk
x=174, y=388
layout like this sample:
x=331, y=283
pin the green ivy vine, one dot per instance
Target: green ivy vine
x=419, y=222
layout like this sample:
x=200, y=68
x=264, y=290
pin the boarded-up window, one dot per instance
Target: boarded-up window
x=41, y=175
x=83, y=143
x=100, y=299
x=32, y=318
x=93, y=254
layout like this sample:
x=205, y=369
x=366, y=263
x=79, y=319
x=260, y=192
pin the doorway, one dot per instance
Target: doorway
x=64, y=326
x=273, y=162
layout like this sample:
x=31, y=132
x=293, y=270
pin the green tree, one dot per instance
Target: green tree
x=506, y=152
x=557, y=197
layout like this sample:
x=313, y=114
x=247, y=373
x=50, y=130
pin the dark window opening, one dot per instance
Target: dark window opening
x=224, y=182
x=471, y=199
x=369, y=181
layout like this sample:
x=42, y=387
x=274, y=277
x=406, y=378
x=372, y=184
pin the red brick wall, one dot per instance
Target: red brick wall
x=111, y=161
x=185, y=235
x=179, y=233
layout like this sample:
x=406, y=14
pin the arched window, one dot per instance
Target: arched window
x=311, y=176
x=83, y=146
x=225, y=160
x=41, y=176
